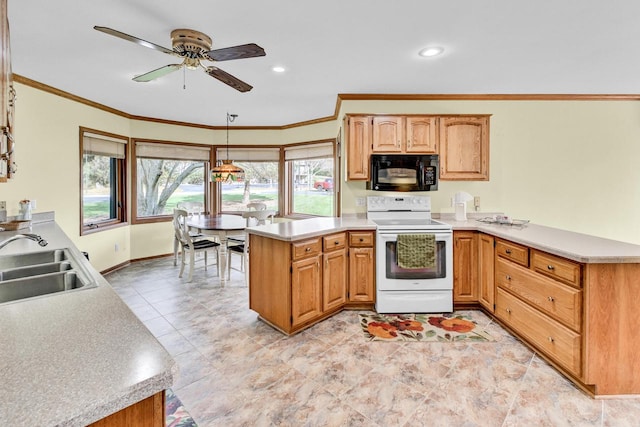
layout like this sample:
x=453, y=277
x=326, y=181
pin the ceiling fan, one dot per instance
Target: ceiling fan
x=193, y=47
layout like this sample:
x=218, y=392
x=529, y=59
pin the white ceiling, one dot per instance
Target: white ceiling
x=328, y=47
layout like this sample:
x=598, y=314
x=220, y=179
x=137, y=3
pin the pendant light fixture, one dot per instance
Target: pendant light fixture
x=227, y=171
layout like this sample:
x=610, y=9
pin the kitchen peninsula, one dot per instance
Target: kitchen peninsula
x=569, y=296
x=77, y=357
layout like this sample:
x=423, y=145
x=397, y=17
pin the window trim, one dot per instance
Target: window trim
x=121, y=184
x=219, y=153
x=134, y=182
x=288, y=168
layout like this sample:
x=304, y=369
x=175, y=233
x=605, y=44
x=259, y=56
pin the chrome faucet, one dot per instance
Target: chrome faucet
x=29, y=236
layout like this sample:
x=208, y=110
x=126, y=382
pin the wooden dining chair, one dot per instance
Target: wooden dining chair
x=192, y=208
x=191, y=246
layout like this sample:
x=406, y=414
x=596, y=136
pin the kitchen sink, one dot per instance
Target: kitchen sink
x=41, y=273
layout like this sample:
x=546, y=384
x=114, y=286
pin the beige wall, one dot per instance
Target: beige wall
x=565, y=164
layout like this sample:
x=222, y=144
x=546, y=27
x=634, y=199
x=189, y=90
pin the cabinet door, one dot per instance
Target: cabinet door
x=465, y=266
x=361, y=275
x=464, y=148
x=486, y=271
x=388, y=134
x=358, y=147
x=306, y=290
x=422, y=135
x=334, y=280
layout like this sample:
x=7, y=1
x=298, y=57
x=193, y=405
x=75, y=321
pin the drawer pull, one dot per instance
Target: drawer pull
x=507, y=251
x=508, y=277
x=508, y=310
x=550, y=339
x=550, y=267
x=308, y=249
x=361, y=239
x=551, y=299
x=336, y=242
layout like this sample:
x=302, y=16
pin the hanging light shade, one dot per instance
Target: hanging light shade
x=227, y=171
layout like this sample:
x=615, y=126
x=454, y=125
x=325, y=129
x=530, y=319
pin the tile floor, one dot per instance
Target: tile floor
x=237, y=371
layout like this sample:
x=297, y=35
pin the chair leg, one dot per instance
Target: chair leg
x=181, y=263
x=192, y=262
x=205, y=260
x=175, y=251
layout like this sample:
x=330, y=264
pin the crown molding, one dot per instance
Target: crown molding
x=341, y=97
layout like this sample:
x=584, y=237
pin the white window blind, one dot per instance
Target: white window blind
x=101, y=145
x=151, y=150
x=309, y=151
x=249, y=154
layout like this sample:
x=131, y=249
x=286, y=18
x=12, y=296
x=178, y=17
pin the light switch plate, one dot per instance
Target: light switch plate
x=3, y=206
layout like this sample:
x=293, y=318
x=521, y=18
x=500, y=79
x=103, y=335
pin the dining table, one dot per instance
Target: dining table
x=221, y=225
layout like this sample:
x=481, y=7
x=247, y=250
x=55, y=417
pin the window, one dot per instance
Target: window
x=261, y=180
x=310, y=169
x=166, y=174
x=103, y=180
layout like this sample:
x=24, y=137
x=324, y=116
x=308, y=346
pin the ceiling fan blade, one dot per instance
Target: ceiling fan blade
x=136, y=40
x=227, y=78
x=250, y=50
x=162, y=71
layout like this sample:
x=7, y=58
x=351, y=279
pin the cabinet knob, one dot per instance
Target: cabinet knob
x=508, y=310
x=308, y=249
x=550, y=339
x=336, y=242
x=550, y=267
x=507, y=251
x=508, y=277
x=551, y=299
x=361, y=239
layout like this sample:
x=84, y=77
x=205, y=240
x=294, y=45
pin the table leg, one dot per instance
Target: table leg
x=222, y=268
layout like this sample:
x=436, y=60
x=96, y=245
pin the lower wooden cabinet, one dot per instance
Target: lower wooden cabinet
x=323, y=275
x=465, y=267
x=361, y=268
x=148, y=412
x=306, y=291
x=486, y=285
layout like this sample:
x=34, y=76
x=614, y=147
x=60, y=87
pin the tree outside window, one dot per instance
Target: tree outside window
x=167, y=174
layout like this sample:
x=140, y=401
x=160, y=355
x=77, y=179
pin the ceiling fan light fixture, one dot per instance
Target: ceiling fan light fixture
x=227, y=171
x=432, y=51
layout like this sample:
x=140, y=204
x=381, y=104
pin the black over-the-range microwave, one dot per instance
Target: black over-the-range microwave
x=402, y=172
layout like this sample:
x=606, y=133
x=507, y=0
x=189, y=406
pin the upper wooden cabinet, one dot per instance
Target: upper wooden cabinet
x=464, y=148
x=7, y=97
x=358, y=130
x=461, y=141
x=405, y=134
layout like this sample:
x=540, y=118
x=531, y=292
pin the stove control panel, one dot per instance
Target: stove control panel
x=399, y=203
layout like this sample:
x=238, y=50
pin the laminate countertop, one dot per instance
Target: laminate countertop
x=575, y=246
x=72, y=358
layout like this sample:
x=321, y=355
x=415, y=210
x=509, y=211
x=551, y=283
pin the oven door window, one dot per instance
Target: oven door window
x=394, y=271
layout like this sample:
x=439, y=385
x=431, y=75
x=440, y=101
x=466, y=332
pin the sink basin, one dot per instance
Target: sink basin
x=41, y=273
x=34, y=270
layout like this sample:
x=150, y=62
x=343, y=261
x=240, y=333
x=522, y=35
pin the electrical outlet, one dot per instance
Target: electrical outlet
x=3, y=206
x=360, y=201
x=476, y=202
x=117, y=247
x=33, y=204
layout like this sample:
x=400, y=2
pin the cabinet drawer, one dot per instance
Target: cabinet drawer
x=334, y=241
x=561, y=302
x=306, y=248
x=556, y=341
x=558, y=268
x=513, y=252
x=364, y=239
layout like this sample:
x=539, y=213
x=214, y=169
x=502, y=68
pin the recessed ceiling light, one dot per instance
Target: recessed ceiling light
x=279, y=69
x=431, y=51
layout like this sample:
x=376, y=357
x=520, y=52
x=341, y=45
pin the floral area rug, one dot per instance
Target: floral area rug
x=448, y=327
x=176, y=415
